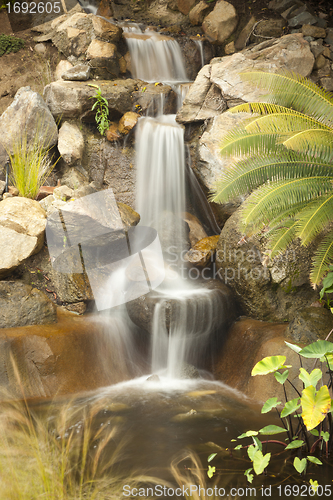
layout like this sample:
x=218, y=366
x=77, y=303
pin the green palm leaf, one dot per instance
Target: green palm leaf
x=246, y=175
x=267, y=201
x=286, y=123
x=313, y=139
x=240, y=142
x=322, y=259
x=291, y=90
x=281, y=237
x=314, y=218
x=261, y=108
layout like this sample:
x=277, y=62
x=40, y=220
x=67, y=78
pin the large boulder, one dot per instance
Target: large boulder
x=26, y=117
x=22, y=305
x=70, y=100
x=267, y=289
x=290, y=52
x=22, y=228
x=220, y=23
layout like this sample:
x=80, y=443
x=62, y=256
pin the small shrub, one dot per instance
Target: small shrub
x=102, y=110
x=9, y=43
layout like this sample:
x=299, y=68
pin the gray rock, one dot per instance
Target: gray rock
x=80, y=72
x=22, y=305
x=309, y=324
x=289, y=52
x=314, y=31
x=22, y=224
x=281, y=5
x=302, y=18
x=317, y=47
x=72, y=99
x=27, y=115
x=198, y=13
x=70, y=143
x=268, y=28
x=329, y=37
x=327, y=83
x=268, y=292
x=220, y=23
x=2, y=187
x=61, y=68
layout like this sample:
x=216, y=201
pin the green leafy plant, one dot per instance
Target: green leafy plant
x=31, y=164
x=102, y=110
x=284, y=155
x=306, y=419
x=10, y=43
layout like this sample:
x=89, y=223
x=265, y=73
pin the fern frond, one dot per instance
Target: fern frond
x=322, y=259
x=267, y=202
x=314, y=218
x=291, y=90
x=288, y=123
x=281, y=236
x=245, y=175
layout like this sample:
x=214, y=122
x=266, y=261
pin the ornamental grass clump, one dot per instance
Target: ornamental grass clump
x=31, y=164
x=284, y=161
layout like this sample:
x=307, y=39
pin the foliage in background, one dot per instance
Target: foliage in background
x=102, y=110
x=31, y=164
x=285, y=160
x=10, y=43
x=306, y=419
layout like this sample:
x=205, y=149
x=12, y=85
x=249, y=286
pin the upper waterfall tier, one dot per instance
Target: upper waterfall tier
x=154, y=57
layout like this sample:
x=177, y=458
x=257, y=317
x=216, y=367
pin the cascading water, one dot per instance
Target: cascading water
x=185, y=314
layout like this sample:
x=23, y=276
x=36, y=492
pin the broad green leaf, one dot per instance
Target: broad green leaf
x=293, y=347
x=260, y=462
x=329, y=357
x=315, y=406
x=298, y=443
x=310, y=378
x=251, y=451
x=317, y=349
x=268, y=365
x=211, y=456
x=257, y=442
x=325, y=436
x=248, y=434
x=314, y=460
x=238, y=447
x=270, y=404
x=300, y=465
x=281, y=377
x=314, y=432
x=290, y=407
x=249, y=476
x=211, y=471
x=269, y=430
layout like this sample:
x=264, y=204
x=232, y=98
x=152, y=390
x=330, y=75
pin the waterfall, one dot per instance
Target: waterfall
x=185, y=313
x=199, y=44
x=154, y=57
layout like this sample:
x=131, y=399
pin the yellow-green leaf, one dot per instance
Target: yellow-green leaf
x=268, y=365
x=315, y=406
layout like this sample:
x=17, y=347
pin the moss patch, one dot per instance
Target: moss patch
x=9, y=43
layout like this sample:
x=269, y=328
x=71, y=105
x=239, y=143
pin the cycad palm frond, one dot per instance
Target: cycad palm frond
x=239, y=142
x=322, y=259
x=250, y=173
x=281, y=236
x=269, y=200
x=286, y=162
x=295, y=91
x=314, y=218
x=288, y=123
